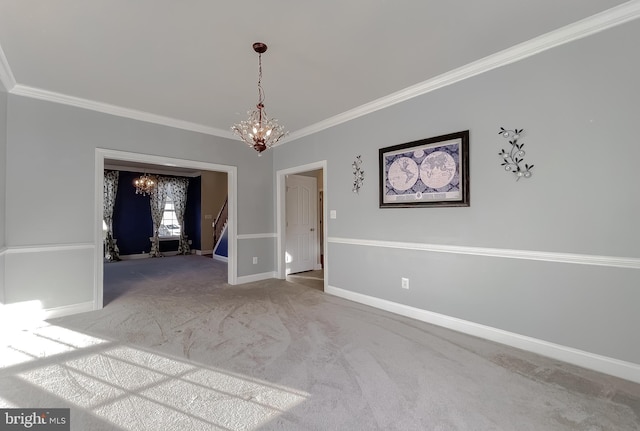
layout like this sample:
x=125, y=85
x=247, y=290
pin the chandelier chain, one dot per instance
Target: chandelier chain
x=260, y=90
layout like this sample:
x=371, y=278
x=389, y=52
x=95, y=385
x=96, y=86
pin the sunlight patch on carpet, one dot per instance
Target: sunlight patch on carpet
x=136, y=389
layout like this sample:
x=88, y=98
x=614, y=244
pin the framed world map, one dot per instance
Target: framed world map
x=429, y=172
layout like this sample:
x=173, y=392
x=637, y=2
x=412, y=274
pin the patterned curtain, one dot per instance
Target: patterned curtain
x=179, y=188
x=157, y=200
x=110, y=187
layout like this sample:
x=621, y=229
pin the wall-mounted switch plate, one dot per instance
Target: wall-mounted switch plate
x=255, y=260
x=405, y=283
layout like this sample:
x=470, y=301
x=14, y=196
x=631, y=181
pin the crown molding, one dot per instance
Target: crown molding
x=51, y=96
x=607, y=19
x=6, y=76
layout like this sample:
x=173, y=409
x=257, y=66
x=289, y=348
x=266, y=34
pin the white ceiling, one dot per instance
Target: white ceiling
x=190, y=63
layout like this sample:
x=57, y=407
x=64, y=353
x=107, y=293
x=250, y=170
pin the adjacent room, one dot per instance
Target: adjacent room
x=408, y=215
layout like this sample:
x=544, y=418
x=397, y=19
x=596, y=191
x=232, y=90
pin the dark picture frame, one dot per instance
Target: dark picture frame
x=431, y=172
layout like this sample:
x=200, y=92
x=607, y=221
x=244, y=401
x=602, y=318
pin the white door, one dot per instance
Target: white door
x=301, y=220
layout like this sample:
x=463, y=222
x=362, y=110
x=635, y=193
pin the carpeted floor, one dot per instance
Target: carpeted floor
x=176, y=348
x=313, y=279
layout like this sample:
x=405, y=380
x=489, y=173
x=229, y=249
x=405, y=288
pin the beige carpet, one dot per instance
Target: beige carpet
x=176, y=348
x=313, y=279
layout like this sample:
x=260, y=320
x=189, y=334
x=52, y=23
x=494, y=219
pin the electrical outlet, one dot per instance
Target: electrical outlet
x=255, y=260
x=405, y=283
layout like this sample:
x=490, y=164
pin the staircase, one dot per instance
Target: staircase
x=220, y=232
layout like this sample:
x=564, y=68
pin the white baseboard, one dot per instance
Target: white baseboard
x=134, y=256
x=256, y=277
x=67, y=310
x=201, y=252
x=603, y=364
x=146, y=255
x=221, y=258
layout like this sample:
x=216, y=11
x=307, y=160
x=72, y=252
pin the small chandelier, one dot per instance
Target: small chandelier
x=259, y=131
x=145, y=185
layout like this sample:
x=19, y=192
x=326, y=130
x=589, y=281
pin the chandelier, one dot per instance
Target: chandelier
x=145, y=185
x=259, y=131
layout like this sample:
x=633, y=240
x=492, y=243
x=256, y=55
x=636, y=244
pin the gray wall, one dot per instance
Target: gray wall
x=3, y=163
x=578, y=104
x=50, y=191
x=3, y=181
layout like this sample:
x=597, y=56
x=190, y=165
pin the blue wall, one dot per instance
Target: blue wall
x=132, y=224
x=192, y=212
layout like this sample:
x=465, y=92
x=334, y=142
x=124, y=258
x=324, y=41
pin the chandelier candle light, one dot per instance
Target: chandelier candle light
x=259, y=131
x=145, y=185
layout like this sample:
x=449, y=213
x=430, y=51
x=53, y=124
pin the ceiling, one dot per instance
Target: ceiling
x=190, y=63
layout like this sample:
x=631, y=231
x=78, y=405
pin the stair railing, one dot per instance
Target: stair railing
x=220, y=222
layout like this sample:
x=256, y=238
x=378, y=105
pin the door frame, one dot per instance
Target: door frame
x=281, y=216
x=314, y=224
x=232, y=188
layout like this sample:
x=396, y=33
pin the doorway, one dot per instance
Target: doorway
x=302, y=248
x=102, y=155
x=301, y=226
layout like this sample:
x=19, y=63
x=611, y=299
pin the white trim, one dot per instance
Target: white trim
x=232, y=187
x=220, y=258
x=217, y=245
x=6, y=75
x=135, y=256
x=49, y=248
x=257, y=235
x=92, y=105
x=153, y=171
x=202, y=252
x=547, y=256
x=281, y=216
x=603, y=364
x=68, y=310
x=256, y=277
x=3, y=250
x=146, y=255
x=609, y=18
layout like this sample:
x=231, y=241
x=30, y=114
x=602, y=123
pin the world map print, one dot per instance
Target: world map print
x=423, y=171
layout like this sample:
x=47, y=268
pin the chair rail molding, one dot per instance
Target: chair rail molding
x=47, y=248
x=257, y=235
x=580, y=259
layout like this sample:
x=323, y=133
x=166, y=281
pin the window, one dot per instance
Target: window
x=169, y=226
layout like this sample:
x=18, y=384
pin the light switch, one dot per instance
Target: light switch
x=208, y=216
x=333, y=214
